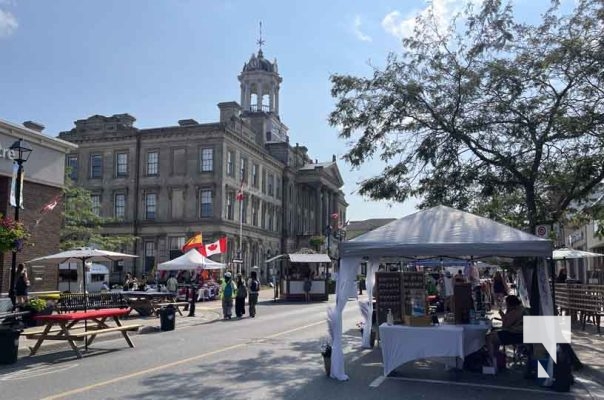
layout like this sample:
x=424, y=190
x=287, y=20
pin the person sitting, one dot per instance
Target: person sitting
x=511, y=326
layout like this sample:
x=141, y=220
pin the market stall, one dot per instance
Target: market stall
x=437, y=232
x=299, y=267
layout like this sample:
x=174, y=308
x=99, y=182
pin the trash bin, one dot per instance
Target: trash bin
x=9, y=344
x=167, y=318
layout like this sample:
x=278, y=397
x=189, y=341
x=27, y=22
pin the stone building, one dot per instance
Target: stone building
x=163, y=184
x=44, y=173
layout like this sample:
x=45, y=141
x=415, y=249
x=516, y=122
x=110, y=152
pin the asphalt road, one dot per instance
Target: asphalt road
x=273, y=356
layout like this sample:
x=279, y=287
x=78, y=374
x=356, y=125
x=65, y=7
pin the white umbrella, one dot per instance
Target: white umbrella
x=191, y=260
x=566, y=253
x=83, y=254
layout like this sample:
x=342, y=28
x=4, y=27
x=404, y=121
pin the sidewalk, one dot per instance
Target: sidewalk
x=589, y=347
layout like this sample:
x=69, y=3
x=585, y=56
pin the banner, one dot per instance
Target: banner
x=13, y=201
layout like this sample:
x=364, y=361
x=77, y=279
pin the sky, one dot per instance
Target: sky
x=166, y=60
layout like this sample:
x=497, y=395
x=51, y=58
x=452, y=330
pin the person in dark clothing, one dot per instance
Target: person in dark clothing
x=561, y=278
x=253, y=292
x=21, y=284
x=240, y=297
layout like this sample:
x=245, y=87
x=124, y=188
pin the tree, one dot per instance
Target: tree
x=82, y=227
x=494, y=116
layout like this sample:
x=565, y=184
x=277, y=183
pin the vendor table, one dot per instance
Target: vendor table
x=149, y=303
x=63, y=327
x=401, y=343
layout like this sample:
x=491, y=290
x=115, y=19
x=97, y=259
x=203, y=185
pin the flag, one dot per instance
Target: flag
x=193, y=243
x=13, y=200
x=219, y=246
x=240, y=196
x=48, y=207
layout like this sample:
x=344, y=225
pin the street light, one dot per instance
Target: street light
x=20, y=152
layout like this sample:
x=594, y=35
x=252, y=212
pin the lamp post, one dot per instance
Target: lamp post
x=20, y=152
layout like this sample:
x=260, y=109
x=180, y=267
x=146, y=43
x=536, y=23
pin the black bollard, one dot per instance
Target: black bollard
x=193, y=293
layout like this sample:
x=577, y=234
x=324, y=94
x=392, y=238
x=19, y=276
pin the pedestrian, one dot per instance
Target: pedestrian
x=240, y=297
x=307, y=288
x=254, y=290
x=500, y=288
x=128, y=283
x=172, y=284
x=227, y=290
x=21, y=285
x=561, y=278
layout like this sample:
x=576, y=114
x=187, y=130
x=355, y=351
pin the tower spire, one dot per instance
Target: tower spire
x=260, y=41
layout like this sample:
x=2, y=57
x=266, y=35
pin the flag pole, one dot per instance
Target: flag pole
x=241, y=232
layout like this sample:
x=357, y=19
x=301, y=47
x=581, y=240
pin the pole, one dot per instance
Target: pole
x=13, y=265
x=240, y=266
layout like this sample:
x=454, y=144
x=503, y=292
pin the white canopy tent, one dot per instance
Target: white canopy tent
x=191, y=260
x=437, y=232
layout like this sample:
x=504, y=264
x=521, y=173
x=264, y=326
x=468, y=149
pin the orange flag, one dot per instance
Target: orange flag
x=195, y=242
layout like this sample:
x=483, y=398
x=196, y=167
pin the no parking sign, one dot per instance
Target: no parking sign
x=542, y=231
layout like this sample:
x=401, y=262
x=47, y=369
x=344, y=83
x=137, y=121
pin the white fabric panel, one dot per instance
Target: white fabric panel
x=191, y=260
x=309, y=258
x=545, y=292
x=444, y=231
x=401, y=344
x=346, y=274
x=372, y=268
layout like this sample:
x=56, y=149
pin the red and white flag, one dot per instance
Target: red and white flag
x=219, y=246
x=48, y=207
x=240, y=195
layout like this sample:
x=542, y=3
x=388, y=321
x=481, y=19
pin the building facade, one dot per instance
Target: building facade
x=163, y=184
x=43, y=181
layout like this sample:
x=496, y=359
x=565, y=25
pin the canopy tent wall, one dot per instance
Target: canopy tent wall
x=191, y=260
x=438, y=232
x=373, y=265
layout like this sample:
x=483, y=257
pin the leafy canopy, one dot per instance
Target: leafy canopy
x=490, y=115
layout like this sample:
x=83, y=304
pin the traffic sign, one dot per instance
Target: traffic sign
x=542, y=231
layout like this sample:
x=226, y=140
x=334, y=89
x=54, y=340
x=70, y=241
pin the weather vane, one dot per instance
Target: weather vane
x=260, y=42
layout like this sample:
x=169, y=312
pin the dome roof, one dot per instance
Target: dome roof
x=259, y=63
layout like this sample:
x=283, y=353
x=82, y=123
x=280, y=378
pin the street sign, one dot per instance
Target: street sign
x=237, y=261
x=542, y=231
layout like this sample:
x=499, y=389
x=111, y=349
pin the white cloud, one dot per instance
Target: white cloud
x=8, y=23
x=402, y=26
x=357, y=30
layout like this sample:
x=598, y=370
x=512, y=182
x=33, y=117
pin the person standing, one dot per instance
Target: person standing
x=21, y=284
x=172, y=284
x=254, y=290
x=500, y=288
x=307, y=288
x=227, y=291
x=240, y=297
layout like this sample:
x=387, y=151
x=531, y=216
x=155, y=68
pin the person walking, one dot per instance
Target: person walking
x=254, y=290
x=227, y=291
x=21, y=285
x=240, y=297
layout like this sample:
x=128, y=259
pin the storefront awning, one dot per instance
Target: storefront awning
x=309, y=258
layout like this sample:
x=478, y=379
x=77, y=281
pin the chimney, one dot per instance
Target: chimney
x=34, y=126
x=228, y=110
x=333, y=158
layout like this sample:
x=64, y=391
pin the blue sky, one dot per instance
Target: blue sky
x=165, y=60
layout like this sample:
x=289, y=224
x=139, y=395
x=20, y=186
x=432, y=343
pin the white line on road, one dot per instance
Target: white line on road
x=377, y=382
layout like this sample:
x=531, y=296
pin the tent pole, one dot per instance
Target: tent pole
x=552, y=270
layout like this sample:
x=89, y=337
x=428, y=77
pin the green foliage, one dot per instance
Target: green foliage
x=82, y=227
x=316, y=242
x=11, y=232
x=36, y=304
x=498, y=117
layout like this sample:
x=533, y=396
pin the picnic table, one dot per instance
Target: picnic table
x=67, y=327
x=149, y=303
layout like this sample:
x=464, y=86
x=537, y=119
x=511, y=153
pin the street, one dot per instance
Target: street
x=275, y=355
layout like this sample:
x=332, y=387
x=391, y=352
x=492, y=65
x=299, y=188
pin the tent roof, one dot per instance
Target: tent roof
x=303, y=258
x=445, y=231
x=192, y=259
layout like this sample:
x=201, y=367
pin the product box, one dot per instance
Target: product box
x=424, y=320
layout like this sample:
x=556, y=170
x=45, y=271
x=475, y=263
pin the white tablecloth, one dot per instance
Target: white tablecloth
x=402, y=343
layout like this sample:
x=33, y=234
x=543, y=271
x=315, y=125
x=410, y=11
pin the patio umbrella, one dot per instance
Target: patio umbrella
x=83, y=254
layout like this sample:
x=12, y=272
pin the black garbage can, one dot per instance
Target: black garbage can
x=167, y=318
x=9, y=344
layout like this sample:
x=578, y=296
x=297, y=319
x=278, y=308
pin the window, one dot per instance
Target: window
x=271, y=226
x=205, y=203
x=206, y=162
x=152, y=163
x=121, y=164
x=263, y=181
x=150, y=205
x=95, y=199
x=179, y=162
x=96, y=166
x=244, y=210
x=72, y=164
x=230, y=166
x=243, y=170
x=230, y=205
x=255, y=206
x=175, y=244
x=119, y=206
x=178, y=203
x=255, y=175
x=278, y=188
x=271, y=184
x=149, y=256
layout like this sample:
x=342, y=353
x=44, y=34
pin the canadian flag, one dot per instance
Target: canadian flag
x=48, y=207
x=219, y=246
x=240, y=195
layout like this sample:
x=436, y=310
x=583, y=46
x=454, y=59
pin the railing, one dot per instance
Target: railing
x=75, y=301
x=261, y=107
x=586, y=300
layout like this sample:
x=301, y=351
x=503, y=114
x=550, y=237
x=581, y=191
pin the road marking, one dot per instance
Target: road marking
x=34, y=372
x=170, y=365
x=377, y=382
x=476, y=385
